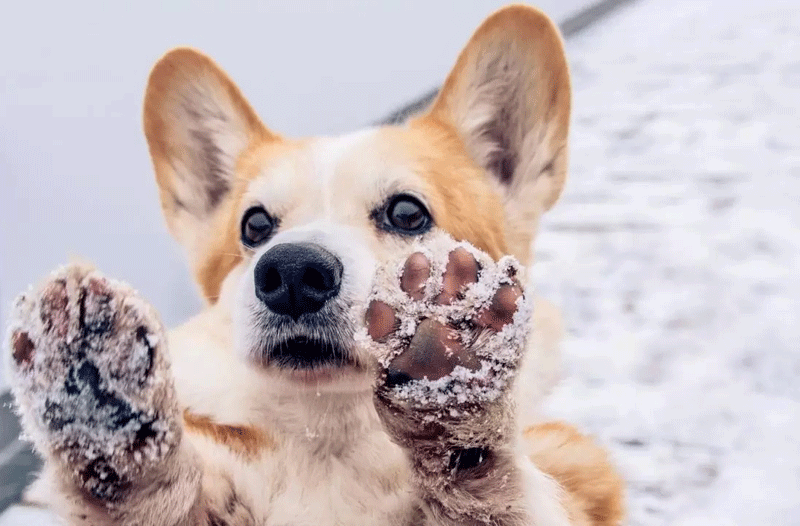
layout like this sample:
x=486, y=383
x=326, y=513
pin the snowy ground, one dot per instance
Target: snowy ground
x=675, y=253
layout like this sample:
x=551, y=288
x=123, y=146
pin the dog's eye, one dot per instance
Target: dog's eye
x=257, y=225
x=405, y=214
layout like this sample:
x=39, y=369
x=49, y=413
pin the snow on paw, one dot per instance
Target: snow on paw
x=91, y=379
x=449, y=326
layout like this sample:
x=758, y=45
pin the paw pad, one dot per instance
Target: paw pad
x=448, y=322
x=416, y=272
x=468, y=458
x=97, y=306
x=434, y=351
x=21, y=348
x=53, y=307
x=461, y=271
x=91, y=379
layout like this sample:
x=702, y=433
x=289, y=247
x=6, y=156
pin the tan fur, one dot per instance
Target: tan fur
x=220, y=254
x=223, y=251
x=248, y=441
x=594, y=490
x=463, y=201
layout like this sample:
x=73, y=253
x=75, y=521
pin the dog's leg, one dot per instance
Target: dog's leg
x=93, y=388
x=451, y=327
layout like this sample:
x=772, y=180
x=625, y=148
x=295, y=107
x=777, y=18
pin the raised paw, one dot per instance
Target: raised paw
x=91, y=380
x=454, y=327
x=449, y=325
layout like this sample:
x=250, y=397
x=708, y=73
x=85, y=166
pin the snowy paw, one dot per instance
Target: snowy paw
x=91, y=379
x=450, y=326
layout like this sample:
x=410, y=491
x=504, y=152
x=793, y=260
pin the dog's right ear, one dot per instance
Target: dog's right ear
x=198, y=125
x=508, y=101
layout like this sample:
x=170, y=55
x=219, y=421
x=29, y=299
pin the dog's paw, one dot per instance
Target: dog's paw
x=450, y=326
x=91, y=379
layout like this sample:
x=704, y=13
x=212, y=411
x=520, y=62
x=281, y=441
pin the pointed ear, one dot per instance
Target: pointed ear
x=508, y=97
x=197, y=124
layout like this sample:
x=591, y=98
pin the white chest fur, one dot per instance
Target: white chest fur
x=313, y=481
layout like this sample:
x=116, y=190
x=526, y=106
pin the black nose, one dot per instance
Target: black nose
x=297, y=278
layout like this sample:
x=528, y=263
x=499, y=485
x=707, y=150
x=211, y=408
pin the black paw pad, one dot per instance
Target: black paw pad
x=83, y=389
x=116, y=412
x=396, y=378
x=56, y=417
x=469, y=458
x=141, y=337
x=102, y=481
x=96, y=307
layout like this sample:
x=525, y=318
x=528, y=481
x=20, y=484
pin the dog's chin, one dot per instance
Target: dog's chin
x=314, y=364
x=329, y=380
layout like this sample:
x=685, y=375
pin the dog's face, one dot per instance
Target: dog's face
x=286, y=233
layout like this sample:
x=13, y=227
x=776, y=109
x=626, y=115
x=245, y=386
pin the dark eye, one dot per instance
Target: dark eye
x=257, y=225
x=405, y=214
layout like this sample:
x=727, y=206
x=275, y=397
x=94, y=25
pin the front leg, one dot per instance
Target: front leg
x=92, y=384
x=450, y=325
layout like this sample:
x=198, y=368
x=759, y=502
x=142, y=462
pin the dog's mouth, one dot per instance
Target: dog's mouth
x=302, y=353
x=316, y=349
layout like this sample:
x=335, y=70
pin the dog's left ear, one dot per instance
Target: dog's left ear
x=508, y=98
x=197, y=125
x=199, y=129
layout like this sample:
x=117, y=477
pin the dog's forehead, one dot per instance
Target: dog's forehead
x=335, y=177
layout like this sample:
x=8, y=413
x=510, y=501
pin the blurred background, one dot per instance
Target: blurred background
x=674, y=252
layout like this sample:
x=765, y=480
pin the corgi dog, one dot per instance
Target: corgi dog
x=370, y=352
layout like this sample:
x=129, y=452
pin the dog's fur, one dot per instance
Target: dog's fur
x=261, y=445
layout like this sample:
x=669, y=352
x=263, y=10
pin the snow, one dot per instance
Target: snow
x=674, y=254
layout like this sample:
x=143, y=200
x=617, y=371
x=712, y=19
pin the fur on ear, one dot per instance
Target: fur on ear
x=508, y=97
x=197, y=125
